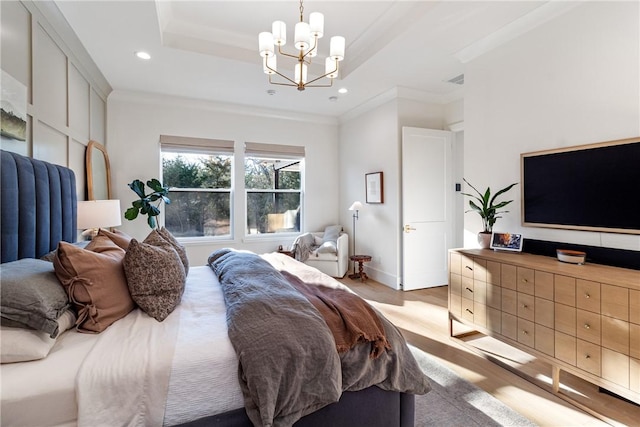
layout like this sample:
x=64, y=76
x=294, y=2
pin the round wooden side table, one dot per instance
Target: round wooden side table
x=360, y=259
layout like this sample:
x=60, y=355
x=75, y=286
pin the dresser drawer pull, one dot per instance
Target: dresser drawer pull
x=469, y=289
x=525, y=306
x=466, y=309
x=586, y=356
x=587, y=296
x=525, y=332
x=468, y=267
x=525, y=280
x=586, y=326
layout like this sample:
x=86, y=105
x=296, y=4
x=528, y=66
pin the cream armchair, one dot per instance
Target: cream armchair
x=334, y=264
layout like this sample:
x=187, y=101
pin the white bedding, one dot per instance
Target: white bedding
x=130, y=373
x=42, y=392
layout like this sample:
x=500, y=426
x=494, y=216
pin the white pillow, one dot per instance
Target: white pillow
x=23, y=345
x=327, y=248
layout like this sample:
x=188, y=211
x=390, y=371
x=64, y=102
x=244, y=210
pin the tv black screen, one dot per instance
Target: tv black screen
x=594, y=187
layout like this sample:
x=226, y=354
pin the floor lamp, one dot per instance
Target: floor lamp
x=356, y=206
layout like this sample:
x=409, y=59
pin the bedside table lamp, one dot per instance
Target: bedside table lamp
x=356, y=206
x=95, y=214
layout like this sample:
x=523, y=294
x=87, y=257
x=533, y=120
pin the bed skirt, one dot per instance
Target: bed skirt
x=371, y=407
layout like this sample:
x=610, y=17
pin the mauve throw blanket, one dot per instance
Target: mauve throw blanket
x=288, y=362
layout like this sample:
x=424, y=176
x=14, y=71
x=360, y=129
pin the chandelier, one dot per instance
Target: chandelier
x=306, y=42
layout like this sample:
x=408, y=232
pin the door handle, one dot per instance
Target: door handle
x=408, y=228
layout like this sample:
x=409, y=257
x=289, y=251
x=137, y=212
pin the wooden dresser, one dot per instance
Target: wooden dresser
x=584, y=319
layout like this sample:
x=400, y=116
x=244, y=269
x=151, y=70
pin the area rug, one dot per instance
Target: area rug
x=454, y=401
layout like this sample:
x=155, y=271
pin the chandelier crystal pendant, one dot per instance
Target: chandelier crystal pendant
x=306, y=37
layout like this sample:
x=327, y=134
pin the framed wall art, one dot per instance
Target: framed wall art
x=373, y=187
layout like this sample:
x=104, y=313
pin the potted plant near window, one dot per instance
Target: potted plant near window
x=488, y=208
x=144, y=205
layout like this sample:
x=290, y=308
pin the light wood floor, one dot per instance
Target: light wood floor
x=422, y=317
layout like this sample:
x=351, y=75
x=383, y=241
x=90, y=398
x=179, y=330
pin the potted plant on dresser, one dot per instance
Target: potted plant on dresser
x=487, y=206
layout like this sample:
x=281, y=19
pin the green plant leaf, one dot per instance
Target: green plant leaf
x=131, y=213
x=138, y=187
x=151, y=221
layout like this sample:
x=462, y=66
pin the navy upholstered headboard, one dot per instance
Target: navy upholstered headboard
x=38, y=206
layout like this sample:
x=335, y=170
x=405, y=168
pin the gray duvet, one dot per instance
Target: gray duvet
x=288, y=362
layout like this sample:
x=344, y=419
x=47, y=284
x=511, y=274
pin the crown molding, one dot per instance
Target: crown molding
x=148, y=98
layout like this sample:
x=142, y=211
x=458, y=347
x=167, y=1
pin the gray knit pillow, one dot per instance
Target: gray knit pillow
x=155, y=276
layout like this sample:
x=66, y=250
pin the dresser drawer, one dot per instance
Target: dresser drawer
x=509, y=301
x=544, y=285
x=467, y=266
x=526, y=280
x=588, y=295
x=455, y=284
x=565, y=319
x=614, y=301
x=615, y=334
x=565, y=348
x=526, y=332
x=634, y=340
x=588, y=357
x=564, y=290
x=544, y=312
x=455, y=263
x=634, y=306
x=545, y=340
x=455, y=304
x=480, y=270
x=467, y=309
x=634, y=375
x=615, y=367
x=467, y=287
x=494, y=296
x=526, y=306
x=588, y=326
x=509, y=326
x=493, y=273
x=509, y=278
x=480, y=291
x=494, y=320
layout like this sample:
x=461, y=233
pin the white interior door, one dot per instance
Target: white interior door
x=427, y=203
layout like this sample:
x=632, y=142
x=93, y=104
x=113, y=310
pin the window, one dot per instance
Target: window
x=273, y=185
x=199, y=174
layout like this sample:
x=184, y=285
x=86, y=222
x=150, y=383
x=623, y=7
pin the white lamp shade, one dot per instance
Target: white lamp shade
x=316, y=24
x=297, y=73
x=269, y=64
x=99, y=214
x=279, y=31
x=331, y=68
x=265, y=42
x=336, y=48
x=302, y=36
x=356, y=206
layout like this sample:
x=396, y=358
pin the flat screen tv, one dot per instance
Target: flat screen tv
x=592, y=187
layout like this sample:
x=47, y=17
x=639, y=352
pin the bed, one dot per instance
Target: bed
x=186, y=370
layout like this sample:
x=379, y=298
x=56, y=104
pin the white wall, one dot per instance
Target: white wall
x=371, y=142
x=574, y=80
x=137, y=120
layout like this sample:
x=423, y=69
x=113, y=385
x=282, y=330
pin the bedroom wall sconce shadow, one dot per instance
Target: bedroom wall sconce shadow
x=356, y=206
x=95, y=214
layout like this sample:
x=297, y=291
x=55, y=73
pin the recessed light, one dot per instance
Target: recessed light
x=343, y=90
x=271, y=92
x=143, y=55
x=333, y=99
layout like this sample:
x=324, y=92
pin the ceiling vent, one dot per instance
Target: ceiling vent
x=457, y=80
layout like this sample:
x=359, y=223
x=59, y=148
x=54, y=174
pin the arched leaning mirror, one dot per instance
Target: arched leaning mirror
x=98, y=172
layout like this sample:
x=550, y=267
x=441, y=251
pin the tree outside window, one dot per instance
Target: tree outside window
x=200, y=192
x=273, y=190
